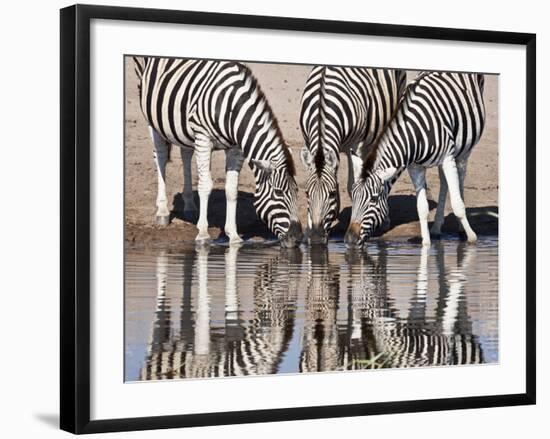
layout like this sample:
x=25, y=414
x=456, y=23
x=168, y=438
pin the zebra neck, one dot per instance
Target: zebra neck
x=268, y=147
x=276, y=156
x=387, y=170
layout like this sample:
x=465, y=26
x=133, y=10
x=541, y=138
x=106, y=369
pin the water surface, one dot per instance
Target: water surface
x=254, y=310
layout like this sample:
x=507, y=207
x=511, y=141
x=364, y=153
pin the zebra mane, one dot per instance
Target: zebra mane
x=369, y=160
x=289, y=160
x=320, y=153
x=319, y=160
x=371, y=154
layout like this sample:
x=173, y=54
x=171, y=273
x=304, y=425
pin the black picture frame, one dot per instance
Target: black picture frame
x=75, y=217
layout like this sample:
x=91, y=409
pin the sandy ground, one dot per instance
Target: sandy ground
x=283, y=85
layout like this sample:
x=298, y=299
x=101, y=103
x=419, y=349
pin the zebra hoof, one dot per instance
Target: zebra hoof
x=435, y=236
x=202, y=240
x=162, y=220
x=462, y=235
x=235, y=240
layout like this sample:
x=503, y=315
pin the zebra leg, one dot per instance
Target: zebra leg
x=233, y=164
x=418, y=177
x=451, y=175
x=231, y=295
x=161, y=153
x=461, y=166
x=202, y=310
x=189, y=208
x=203, y=147
x=417, y=307
x=440, y=212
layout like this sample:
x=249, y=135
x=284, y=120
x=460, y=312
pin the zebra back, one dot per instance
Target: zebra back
x=441, y=114
x=346, y=106
x=222, y=99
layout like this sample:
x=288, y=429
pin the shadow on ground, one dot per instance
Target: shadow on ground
x=248, y=223
x=484, y=220
x=403, y=216
x=402, y=211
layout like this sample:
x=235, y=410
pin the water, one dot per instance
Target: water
x=254, y=310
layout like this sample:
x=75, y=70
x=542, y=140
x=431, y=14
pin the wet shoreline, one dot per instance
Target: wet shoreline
x=179, y=233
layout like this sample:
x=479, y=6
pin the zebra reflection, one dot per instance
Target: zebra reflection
x=245, y=344
x=321, y=347
x=279, y=311
x=422, y=339
x=340, y=296
x=372, y=331
x=266, y=336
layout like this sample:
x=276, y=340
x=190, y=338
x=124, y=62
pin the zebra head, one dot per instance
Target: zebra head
x=323, y=198
x=369, y=209
x=276, y=199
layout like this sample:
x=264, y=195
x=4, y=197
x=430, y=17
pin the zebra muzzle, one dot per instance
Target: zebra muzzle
x=293, y=235
x=317, y=235
x=353, y=235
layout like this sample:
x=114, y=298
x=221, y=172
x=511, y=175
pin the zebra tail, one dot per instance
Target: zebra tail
x=139, y=65
x=481, y=81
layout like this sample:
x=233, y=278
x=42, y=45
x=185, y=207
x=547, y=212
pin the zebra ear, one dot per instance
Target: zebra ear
x=263, y=165
x=307, y=158
x=330, y=159
x=386, y=174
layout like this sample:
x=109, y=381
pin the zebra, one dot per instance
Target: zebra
x=207, y=105
x=212, y=339
x=375, y=330
x=439, y=120
x=343, y=109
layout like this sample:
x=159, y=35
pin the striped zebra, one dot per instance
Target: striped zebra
x=202, y=106
x=440, y=119
x=205, y=338
x=344, y=109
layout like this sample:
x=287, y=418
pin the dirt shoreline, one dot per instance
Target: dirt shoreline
x=283, y=87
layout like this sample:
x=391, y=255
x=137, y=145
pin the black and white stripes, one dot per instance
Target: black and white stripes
x=344, y=109
x=440, y=119
x=203, y=105
x=206, y=105
x=234, y=312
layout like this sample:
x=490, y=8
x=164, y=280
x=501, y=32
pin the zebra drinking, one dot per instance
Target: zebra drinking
x=344, y=109
x=202, y=106
x=439, y=120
